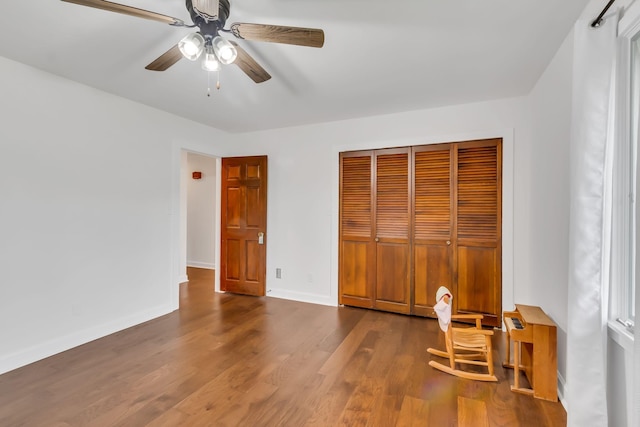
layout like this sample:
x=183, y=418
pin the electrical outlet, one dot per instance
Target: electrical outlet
x=278, y=273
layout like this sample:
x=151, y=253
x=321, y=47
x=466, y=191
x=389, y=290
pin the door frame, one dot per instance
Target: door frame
x=178, y=214
x=508, y=174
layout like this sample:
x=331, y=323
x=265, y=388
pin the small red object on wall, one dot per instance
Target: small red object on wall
x=197, y=175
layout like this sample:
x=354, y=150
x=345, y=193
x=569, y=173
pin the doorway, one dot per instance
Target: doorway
x=189, y=251
x=201, y=184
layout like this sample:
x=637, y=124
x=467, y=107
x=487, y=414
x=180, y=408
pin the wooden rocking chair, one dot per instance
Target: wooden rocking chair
x=469, y=345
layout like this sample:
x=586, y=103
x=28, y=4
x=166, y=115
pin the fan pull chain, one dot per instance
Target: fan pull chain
x=209, y=82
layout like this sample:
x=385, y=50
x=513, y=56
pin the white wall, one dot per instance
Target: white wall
x=303, y=187
x=620, y=387
x=201, y=211
x=86, y=212
x=548, y=210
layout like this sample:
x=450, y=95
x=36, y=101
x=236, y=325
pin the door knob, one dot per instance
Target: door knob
x=448, y=242
x=376, y=239
x=261, y=238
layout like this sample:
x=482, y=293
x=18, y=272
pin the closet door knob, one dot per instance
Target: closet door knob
x=376, y=239
x=448, y=242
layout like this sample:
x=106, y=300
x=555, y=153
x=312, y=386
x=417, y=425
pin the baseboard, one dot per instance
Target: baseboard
x=561, y=391
x=58, y=345
x=302, y=297
x=184, y=278
x=205, y=265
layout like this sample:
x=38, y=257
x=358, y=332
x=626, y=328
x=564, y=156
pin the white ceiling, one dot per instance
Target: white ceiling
x=379, y=57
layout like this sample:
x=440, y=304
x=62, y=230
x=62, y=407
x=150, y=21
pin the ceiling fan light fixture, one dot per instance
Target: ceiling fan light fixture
x=224, y=50
x=192, y=46
x=210, y=61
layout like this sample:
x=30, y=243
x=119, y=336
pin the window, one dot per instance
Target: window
x=624, y=247
x=633, y=176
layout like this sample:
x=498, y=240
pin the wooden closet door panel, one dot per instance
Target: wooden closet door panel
x=355, y=276
x=356, y=195
x=392, y=194
x=392, y=292
x=357, y=247
x=432, y=270
x=477, y=279
x=479, y=229
x=433, y=249
x=392, y=225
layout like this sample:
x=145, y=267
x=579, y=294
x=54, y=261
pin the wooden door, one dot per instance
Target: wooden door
x=478, y=240
x=357, y=249
x=243, y=225
x=392, y=230
x=433, y=237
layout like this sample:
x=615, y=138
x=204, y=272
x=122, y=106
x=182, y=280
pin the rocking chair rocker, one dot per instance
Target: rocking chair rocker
x=464, y=345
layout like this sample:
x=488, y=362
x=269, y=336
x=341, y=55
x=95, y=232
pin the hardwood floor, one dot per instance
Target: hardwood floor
x=229, y=360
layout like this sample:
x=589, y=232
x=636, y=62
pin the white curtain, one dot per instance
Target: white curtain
x=589, y=245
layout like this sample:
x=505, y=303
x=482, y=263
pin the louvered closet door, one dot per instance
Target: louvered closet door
x=357, y=247
x=433, y=246
x=414, y=219
x=392, y=225
x=479, y=229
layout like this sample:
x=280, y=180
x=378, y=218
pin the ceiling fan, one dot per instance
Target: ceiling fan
x=210, y=17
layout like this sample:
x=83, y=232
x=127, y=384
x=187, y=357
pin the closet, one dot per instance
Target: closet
x=415, y=218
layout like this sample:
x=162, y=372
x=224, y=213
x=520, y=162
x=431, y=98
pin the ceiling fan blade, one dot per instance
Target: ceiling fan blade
x=209, y=9
x=165, y=60
x=249, y=65
x=278, y=34
x=128, y=10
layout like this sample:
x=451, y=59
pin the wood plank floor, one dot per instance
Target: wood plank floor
x=229, y=360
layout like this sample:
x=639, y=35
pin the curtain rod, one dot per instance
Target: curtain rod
x=596, y=22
